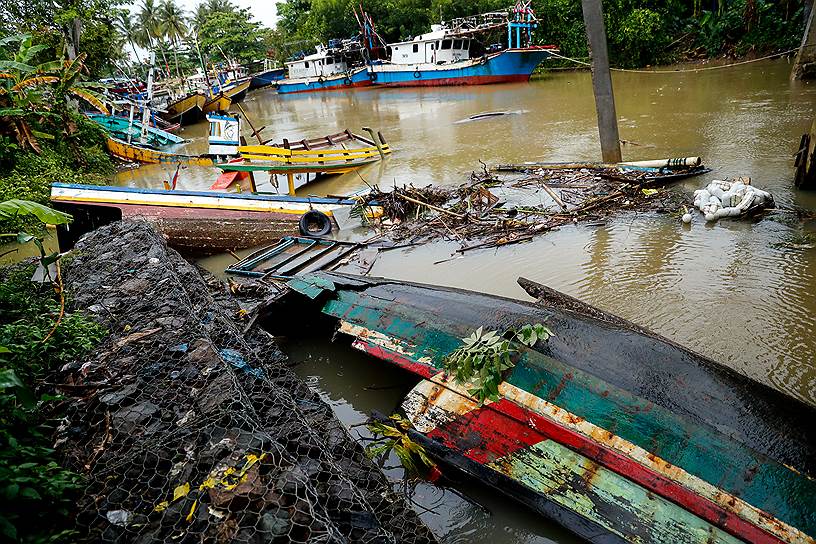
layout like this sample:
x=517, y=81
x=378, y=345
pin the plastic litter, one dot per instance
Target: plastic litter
x=731, y=199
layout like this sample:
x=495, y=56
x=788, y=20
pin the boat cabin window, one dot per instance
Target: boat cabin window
x=433, y=46
x=416, y=48
x=329, y=60
x=306, y=64
x=446, y=44
x=457, y=44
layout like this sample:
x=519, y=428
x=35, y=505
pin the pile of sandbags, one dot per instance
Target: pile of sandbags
x=731, y=199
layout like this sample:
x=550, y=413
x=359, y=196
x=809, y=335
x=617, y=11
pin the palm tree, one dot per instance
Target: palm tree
x=173, y=25
x=150, y=30
x=214, y=6
x=125, y=25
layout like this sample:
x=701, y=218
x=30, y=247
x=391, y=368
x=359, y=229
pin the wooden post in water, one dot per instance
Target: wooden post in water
x=804, y=67
x=602, y=81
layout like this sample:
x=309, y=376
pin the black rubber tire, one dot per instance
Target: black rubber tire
x=417, y=74
x=346, y=81
x=313, y=216
x=372, y=76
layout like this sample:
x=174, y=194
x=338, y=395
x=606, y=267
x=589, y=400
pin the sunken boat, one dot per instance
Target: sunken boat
x=606, y=428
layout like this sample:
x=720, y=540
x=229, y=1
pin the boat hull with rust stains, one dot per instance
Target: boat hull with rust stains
x=196, y=222
x=610, y=430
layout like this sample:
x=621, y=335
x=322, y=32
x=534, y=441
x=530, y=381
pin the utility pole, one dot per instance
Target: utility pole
x=804, y=66
x=602, y=81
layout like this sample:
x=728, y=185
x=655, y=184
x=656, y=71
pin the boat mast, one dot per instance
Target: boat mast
x=146, y=107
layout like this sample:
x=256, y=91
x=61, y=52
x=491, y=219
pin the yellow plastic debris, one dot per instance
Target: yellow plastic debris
x=181, y=491
x=649, y=192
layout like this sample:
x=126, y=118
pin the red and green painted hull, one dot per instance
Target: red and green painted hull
x=617, y=434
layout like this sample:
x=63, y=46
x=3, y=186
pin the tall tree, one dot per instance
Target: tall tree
x=173, y=26
x=128, y=28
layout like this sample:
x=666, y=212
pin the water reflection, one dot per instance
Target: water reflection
x=723, y=290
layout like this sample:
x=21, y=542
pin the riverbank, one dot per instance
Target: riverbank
x=185, y=421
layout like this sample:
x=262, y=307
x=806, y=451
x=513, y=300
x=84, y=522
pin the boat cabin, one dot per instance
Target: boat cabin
x=324, y=63
x=435, y=47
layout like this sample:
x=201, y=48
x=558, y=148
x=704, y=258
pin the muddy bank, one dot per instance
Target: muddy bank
x=188, y=425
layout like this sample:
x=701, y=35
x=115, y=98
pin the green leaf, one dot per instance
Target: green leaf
x=6, y=65
x=9, y=378
x=24, y=237
x=7, y=529
x=30, y=493
x=14, y=207
x=11, y=112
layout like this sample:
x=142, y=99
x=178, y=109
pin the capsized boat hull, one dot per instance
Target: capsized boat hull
x=511, y=65
x=196, y=221
x=615, y=433
x=339, y=82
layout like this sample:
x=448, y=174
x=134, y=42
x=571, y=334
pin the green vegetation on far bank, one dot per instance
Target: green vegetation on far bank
x=639, y=33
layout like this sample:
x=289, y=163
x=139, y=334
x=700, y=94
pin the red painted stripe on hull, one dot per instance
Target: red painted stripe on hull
x=396, y=358
x=333, y=88
x=451, y=81
x=511, y=417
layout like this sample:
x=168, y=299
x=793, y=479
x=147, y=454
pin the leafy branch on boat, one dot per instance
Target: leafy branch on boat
x=486, y=355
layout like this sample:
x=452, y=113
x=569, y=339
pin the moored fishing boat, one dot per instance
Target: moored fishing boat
x=266, y=78
x=451, y=55
x=186, y=110
x=218, y=102
x=608, y=429
x=126, y=129
x=132, y=152
x=193, y=221
x=333, y=68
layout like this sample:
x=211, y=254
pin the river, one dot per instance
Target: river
x=740, y=292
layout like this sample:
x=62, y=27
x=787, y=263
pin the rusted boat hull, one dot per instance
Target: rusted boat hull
x=612, y=431
x=192, y=221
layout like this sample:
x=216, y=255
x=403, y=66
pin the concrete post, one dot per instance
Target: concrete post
x=602, y=81
x=804, y=67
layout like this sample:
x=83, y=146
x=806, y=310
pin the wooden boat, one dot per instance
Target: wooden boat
x=187, y=110
x=148, y=155
x=610, y=430
x=217, y=103
x=192, y=221
x=123, y=129
x=306, y=159
x=293, y=255
x=236, y=91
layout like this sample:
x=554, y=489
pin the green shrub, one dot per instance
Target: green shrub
x=36, y=493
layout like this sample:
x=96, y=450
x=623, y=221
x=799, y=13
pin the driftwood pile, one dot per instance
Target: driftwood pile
x=476, y=217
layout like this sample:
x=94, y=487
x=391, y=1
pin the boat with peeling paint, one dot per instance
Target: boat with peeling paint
x=608, y=429
x=198, y=222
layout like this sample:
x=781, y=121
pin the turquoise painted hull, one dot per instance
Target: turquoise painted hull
x=607, y=426
x=121, y=128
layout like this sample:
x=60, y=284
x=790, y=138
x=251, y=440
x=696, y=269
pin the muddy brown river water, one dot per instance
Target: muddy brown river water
x=741, y=292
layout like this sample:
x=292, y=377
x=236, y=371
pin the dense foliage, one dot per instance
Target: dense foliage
x=36, y=492
x=68, y=28
x=43, y=138
x=639, y=32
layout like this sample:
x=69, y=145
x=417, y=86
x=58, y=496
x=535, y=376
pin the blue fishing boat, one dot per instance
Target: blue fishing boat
x=266, y=76
x=333, y=68
x=451, y=55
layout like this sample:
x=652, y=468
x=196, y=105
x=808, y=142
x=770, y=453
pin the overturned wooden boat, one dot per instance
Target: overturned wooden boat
x=610, y=430
x=192, y=221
